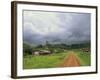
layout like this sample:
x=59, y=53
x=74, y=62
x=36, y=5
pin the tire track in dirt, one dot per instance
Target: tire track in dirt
x=70, y=61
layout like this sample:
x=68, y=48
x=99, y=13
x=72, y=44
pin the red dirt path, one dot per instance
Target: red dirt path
x=70, y=61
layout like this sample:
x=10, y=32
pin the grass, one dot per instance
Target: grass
x=43, y=61
x=51, y=61
x=84, y=57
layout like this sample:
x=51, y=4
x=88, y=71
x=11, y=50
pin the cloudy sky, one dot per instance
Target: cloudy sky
x=55, y=27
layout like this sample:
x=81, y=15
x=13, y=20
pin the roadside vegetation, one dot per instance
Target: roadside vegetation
x=58, y=53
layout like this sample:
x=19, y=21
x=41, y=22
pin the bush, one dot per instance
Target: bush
x=27, y=49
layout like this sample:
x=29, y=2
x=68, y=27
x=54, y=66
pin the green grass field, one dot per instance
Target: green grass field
x=51, y=61
x=84, y=57
x=43, y=61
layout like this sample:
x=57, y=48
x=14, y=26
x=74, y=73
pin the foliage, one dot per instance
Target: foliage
x=50, y=61
x=46, y=61
x=84, y=57
x=27, y=49
x=54, y=48
x=59, y=52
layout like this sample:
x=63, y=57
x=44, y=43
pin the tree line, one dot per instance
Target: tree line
x=27, y=49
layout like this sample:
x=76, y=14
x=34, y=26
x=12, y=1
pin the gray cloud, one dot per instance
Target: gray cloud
x=56, y=27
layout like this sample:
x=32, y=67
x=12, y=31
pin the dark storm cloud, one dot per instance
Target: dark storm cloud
x=68, y=27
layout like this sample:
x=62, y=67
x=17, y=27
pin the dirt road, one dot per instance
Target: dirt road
x=70, y=61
